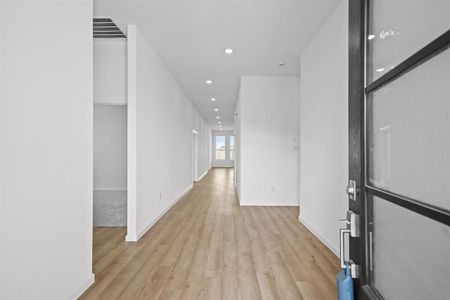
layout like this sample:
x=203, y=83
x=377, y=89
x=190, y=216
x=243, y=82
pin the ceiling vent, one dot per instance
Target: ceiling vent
x=106, y=28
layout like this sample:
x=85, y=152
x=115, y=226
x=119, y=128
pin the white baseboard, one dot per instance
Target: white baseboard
x=321, y=238
x=153, y=222
x=82, y=287
x=201, y=176
x=129, y=238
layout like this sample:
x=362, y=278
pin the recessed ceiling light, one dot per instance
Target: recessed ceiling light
x=213, y=99
x=218, y=122
x=380, y=70
x=281, y=64
x=229, y=51
x=217, y=117
x=216, y=109
x=208, y=81
x=371, y=37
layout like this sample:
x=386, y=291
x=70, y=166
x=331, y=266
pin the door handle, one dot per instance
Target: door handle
x=352, y=230
x=343, y=232
x=352, y=223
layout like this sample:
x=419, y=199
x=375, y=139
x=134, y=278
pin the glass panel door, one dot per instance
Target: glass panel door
x=399, y=147
x=408, y=165
x=224, y=149
x=400, y=28
x=220, y=147
x=408, y=126
x=410, y=258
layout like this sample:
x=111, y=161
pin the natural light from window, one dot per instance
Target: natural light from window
x=220, y=147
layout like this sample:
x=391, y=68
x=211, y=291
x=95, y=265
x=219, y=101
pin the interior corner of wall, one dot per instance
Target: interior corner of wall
x=329, y=244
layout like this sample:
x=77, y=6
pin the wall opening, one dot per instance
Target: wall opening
x=111, y=136
x=195, y=155
x=110, y=165
x=223, y=154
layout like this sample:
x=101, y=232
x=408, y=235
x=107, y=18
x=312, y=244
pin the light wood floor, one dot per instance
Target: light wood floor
x=207, y=247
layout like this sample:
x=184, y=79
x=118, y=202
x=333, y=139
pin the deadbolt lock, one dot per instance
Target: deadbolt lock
x=351, y=190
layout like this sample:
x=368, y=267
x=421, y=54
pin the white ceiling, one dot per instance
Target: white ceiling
x=191, y=35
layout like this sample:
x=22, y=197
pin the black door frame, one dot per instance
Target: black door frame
x=359, y=247
x=356, y=111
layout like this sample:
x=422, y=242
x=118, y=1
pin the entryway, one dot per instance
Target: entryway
x=223, y=149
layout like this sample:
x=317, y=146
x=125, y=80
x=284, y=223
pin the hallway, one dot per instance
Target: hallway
x=207, y=247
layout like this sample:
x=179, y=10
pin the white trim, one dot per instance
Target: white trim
x=107, y=189
x=321, y=238
x=82, y=287
x=153, y=222
x=201, y=176
x=131, y=135
x=85, y=284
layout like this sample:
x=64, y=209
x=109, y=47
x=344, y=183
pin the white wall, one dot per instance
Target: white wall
x=324, y=129
x=237, y=132
x=268, y=147
x=161, y=120
x=45, y=149
x=110, y=147
x=110, y=71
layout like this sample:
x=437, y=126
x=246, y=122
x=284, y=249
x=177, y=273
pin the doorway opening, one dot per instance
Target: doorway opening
x=110, y=151
x=223, y=149
x=195, y=155
x=110, y=165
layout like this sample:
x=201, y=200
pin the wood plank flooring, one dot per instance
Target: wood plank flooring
x=207, y=247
